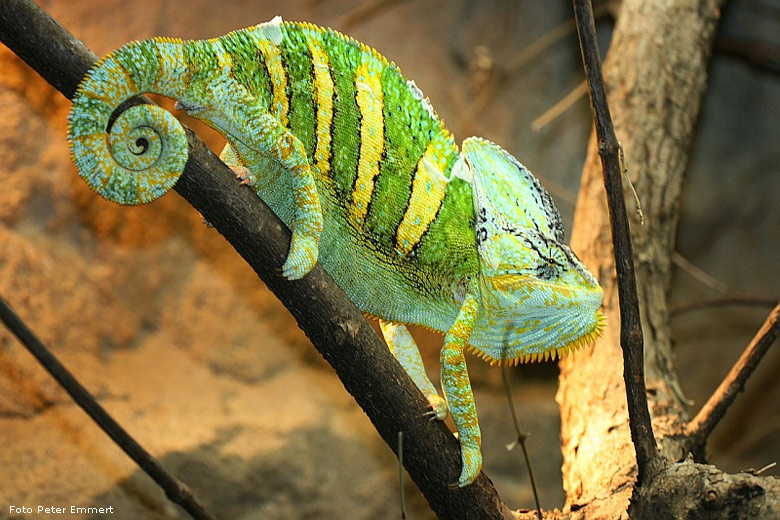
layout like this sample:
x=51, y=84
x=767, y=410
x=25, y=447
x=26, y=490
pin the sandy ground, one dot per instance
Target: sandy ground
x=165, y=324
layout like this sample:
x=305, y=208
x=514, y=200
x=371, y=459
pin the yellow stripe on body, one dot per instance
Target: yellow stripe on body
x=428, y=189
x=368, y=86
x=224, y=59
x=280, y=105
x=323, y=87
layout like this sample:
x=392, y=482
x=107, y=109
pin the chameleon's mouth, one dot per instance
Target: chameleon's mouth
x=549, y=354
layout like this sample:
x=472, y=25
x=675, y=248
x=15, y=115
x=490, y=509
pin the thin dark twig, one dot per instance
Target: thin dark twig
x=724, y=301
x=364, y=11
x=699, y=274
x=500, y=75
x=700, y=427
x=174, y=490
x=762, y=54
x=337, y=328
x=631, y=337
x=401, y=474
x=521, y=437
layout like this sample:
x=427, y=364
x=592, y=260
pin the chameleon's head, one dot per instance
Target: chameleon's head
x=537, y=299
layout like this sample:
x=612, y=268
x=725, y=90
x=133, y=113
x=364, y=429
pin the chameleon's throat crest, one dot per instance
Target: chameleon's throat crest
x=549, y=354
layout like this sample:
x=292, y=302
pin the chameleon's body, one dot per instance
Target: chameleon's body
x=351, y=156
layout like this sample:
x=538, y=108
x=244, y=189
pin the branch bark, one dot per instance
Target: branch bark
x=631, y=337
x=699, y=429
x=337, y=328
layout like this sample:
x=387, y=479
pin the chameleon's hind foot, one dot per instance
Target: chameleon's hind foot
x=230, y=157
x=277, y=143
x=302, y=257
x=405, y=350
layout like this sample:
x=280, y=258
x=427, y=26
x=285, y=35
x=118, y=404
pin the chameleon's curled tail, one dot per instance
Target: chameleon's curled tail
x=145, y=150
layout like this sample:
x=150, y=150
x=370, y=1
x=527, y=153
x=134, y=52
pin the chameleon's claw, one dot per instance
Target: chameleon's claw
x=439, y=408
x=206, y=222
x=192, y=109
x=242, y=174
x=431, y=415
x=229, y=157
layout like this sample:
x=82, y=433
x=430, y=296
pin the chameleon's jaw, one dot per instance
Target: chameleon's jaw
x=526, y=320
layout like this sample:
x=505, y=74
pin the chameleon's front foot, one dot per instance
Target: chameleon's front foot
x=439, y=409
x=405, y=350
x=457, y=388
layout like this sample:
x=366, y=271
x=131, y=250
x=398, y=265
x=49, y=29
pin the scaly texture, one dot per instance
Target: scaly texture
x=351, y=155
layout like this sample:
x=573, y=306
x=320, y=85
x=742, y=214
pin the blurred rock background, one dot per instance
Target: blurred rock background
x=159, y=317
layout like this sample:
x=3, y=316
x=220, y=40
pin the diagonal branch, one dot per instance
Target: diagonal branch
x=701, y=426
x=331, y=321
x=754, y=300
x=176, y=491
x=631, y=338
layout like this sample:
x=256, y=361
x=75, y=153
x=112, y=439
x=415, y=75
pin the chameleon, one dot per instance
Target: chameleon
x=353, y=158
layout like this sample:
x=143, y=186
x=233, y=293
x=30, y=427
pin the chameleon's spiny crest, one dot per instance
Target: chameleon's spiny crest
x=351, y=155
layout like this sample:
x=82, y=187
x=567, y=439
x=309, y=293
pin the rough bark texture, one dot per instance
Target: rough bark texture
x=656, y=73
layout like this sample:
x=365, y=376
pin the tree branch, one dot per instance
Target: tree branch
x=655, y=87
x=753, y=300
x=701, y=426
x=337, y=328
x=631, y=338
x=174, y=490
x=759, y=53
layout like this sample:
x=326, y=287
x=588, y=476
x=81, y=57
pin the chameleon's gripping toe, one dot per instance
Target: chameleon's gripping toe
x=439, y=408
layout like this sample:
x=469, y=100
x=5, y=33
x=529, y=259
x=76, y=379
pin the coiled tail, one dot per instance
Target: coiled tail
x=143, y=153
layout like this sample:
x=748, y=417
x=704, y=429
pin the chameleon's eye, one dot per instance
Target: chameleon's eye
x=558, y=257
x=552, y=264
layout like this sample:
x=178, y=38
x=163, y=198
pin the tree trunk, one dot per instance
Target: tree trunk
x=656, y=74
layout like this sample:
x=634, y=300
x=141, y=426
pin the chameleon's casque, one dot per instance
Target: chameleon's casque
x=352, y=157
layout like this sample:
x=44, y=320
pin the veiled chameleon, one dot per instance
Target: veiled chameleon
x=352, y=157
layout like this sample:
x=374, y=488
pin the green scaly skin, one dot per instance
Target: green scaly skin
x=350, y=155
